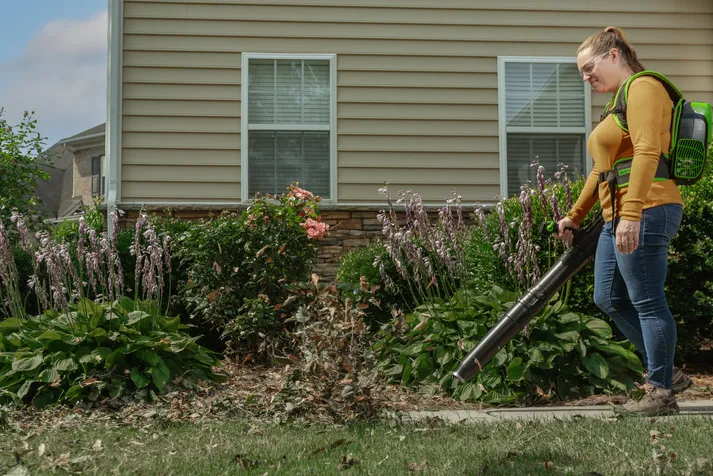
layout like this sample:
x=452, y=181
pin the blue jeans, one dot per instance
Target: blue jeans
x=630, y=289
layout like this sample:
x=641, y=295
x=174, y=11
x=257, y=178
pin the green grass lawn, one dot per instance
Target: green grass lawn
x=628, y=446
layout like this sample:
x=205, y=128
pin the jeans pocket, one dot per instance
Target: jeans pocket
x=674, y=214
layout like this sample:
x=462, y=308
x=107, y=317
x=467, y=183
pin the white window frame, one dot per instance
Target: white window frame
x=502, y=114
x=246, y=127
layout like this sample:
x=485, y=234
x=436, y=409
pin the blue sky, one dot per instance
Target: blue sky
x=53, y=61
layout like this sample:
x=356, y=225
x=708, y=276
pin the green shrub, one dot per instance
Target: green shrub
x=689, y=287
x=487, y=265
x=570, y=353
x=359, y=263
x=124, y=349
x=689, y=283
x=237, y=263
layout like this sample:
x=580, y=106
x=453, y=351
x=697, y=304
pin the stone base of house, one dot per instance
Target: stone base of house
x=348, y=229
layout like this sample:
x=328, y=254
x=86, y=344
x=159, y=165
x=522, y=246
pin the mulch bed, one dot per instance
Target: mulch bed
x=248, y=394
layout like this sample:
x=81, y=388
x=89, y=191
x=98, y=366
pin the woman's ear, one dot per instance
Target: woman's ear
x=614, y=54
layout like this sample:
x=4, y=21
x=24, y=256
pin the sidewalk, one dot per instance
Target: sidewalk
x=696, y=407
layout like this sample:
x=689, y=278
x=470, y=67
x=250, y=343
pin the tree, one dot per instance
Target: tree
x=21, y=158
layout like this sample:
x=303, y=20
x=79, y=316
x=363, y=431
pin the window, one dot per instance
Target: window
x=98, y=175
x=289, y=124
x=545, y=114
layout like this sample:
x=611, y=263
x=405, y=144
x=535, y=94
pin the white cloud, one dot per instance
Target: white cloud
x=61, y=75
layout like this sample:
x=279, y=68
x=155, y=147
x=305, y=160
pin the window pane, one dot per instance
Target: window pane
x=551, y=149
x=288, y=91
x=276, y=159
x=543, y=95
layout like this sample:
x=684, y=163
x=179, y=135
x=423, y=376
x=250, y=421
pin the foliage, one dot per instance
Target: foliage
x=688, y=286
x=333, y=368
x=235, y=264
x=566, y=353
x=507, y=249
x=120, y=349
x=21, y=158
x=359, y=280
x=427, y=256
x=689, y=283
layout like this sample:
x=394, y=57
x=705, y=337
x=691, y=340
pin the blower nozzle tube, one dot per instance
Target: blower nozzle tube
x=583, y=248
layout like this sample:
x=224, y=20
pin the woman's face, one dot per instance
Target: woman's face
x=599, y=70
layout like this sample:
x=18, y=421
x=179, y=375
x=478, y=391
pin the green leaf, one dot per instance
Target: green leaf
x=44, y=397
x=148, y=356
x=160, y=374
x=596, y=364
x=100, y=353
x=470, y=391
x=66, y=364
x=490, y=377
x=22, y=391
x=138, y=378
x=116, y=356
x=581, y=348
x=631, y=359
x=11, y=324
x=136, y=316
x=443, y=356
x=48, y=375
x=98, y=332
x=74, y=393
x=501, y=357
x=535, y=356
x=394, y=369
x=50, y=335
x=600, y=328
x=568, y=317
x=28, y=363
x=515, y=371
x=570, y=336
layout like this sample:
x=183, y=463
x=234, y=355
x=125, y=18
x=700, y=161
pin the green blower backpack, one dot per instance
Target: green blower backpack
x=690, y=135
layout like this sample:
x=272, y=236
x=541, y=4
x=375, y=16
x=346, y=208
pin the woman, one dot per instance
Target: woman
x=632, y=253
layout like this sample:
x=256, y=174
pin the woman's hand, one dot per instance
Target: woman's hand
x=627, y=236
x=562, y=226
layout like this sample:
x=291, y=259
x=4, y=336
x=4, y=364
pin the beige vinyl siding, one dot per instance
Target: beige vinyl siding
x=417, y=83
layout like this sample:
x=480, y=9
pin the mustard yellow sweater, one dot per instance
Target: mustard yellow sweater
x=649, y=116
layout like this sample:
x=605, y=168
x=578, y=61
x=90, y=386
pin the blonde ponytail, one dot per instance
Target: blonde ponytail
x=613, y=37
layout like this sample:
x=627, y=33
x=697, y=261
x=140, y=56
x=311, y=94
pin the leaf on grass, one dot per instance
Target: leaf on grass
x=339, y=442
x=245, y=463
x=347, y=462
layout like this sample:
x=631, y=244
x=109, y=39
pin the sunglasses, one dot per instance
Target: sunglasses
x=589, y=66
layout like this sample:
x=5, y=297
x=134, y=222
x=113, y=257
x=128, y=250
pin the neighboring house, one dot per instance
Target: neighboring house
x=210, y=102
x=77, y=174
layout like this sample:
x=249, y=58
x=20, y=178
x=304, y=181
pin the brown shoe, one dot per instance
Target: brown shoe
x=656, y=401
x=680, y=381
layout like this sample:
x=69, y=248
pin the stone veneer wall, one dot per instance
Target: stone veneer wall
x=349, y=229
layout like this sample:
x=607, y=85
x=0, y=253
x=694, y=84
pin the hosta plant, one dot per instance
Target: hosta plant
x=562, y=354
x=123, y=349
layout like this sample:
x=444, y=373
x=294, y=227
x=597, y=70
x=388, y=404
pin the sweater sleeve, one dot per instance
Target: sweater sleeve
x=587, y=198
x=646, y=101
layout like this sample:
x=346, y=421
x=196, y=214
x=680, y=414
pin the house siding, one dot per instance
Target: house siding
x=416, y=84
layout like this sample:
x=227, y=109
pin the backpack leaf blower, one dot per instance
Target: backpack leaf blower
x=584, y=246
